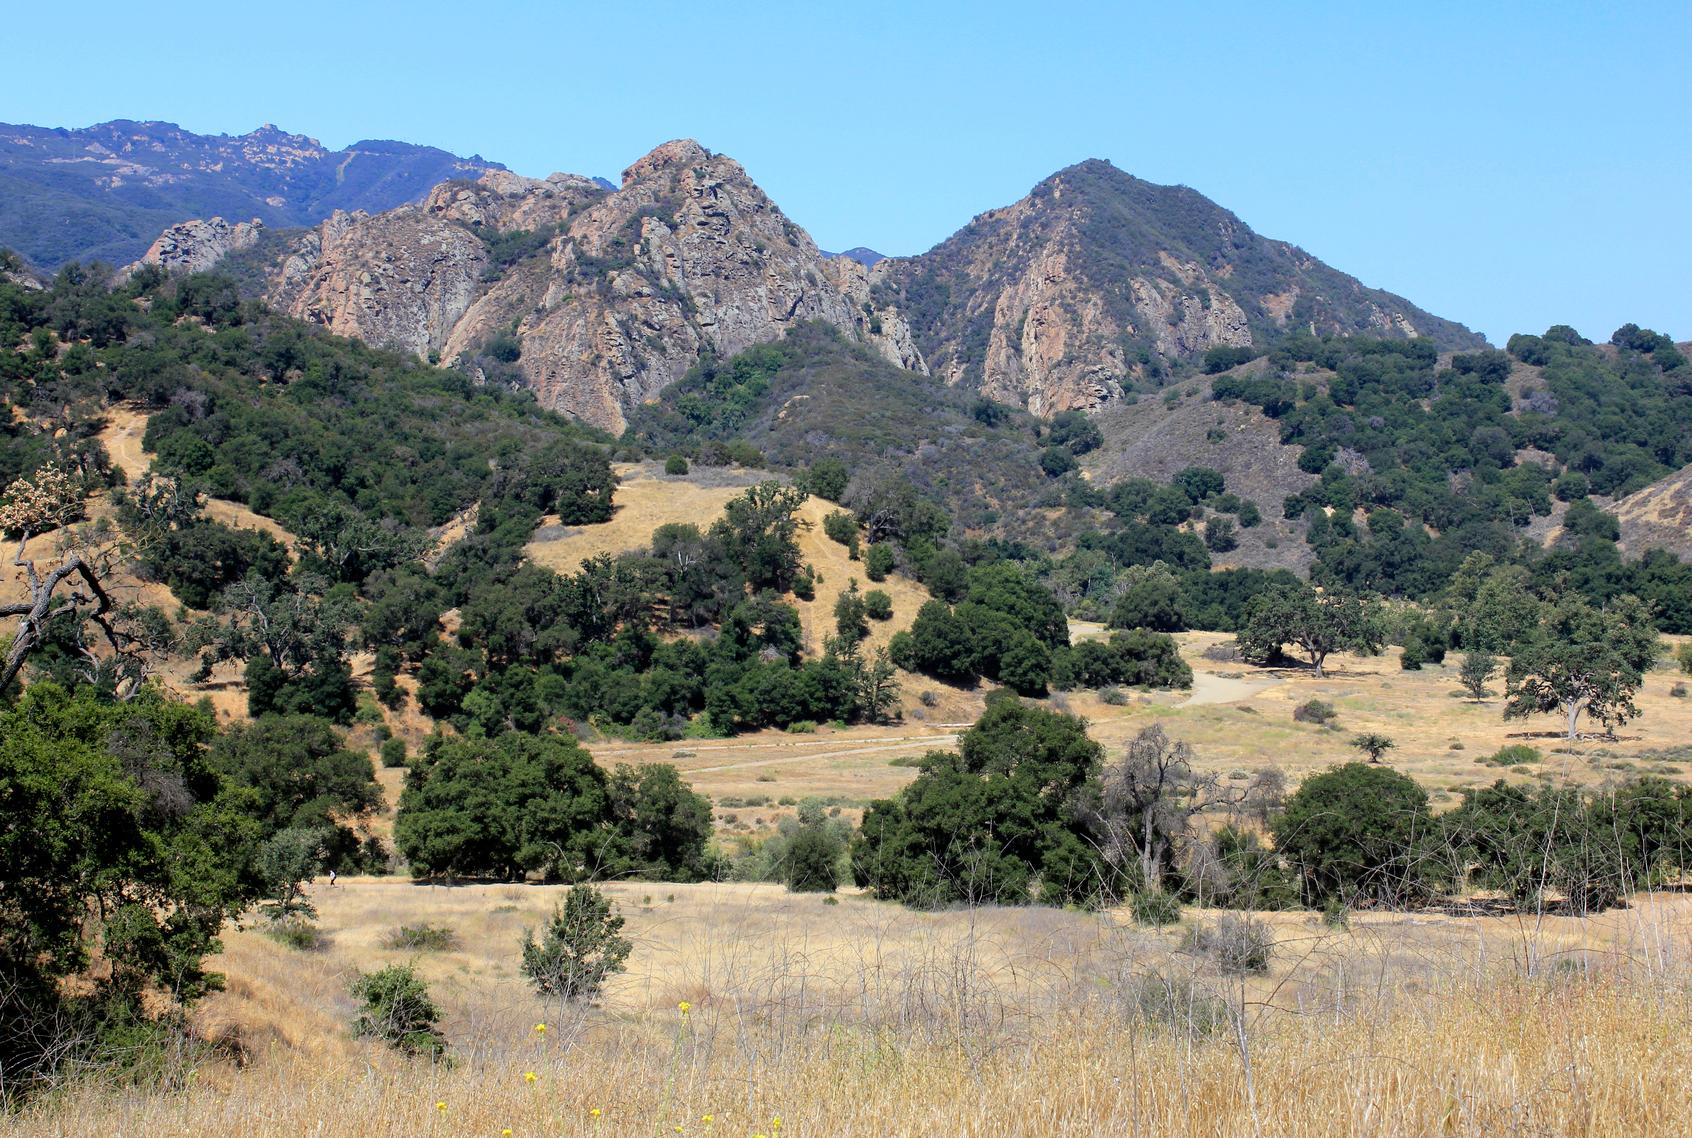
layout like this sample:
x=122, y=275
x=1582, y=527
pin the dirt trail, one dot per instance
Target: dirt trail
x=1208, y=687
x=927, y=743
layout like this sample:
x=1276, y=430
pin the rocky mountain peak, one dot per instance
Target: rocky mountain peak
x=596, y=300
x=1098, y=282
x=671, y=155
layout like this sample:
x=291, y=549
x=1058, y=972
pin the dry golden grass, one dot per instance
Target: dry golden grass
x=864, y=1019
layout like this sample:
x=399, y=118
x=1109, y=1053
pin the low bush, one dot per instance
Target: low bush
x=1315, y=711
x=582, y=946
x=1513, y=755
x=296, y=932
x=421, y=938
x=1238, y=945
x=393, y=753
x=396, y=1008
x=1155, y=908
x=1177, y=1003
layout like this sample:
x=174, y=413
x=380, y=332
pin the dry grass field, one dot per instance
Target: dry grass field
x=860, y=1018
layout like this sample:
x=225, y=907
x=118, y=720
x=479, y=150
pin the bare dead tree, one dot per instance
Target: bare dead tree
x=1148, y=801
x=48, y=500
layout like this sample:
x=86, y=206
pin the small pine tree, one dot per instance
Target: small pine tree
x=397, y=1009
x=583, y=945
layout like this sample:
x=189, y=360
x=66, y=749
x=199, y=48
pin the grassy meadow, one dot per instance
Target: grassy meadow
x=859, y=1018
x=863, y=1018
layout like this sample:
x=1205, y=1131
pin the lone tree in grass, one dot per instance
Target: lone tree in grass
x=583, y=945
x=1477, y=668
x=1584, y=660
x=1317, y=623
x=1373, y=745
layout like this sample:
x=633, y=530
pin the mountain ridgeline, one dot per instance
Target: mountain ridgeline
x=104, y=192
x=1094, y=286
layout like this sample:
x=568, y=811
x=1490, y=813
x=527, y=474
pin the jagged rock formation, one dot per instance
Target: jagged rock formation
x=405, y=278
x=104, y=192
x=1098, y=280
x=609, y=298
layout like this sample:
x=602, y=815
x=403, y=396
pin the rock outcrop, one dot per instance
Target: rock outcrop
x=1098, y=281
x=603, y=298
x=195, y=246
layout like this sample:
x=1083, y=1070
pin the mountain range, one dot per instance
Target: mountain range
x=104, y=192
x=1094, y=286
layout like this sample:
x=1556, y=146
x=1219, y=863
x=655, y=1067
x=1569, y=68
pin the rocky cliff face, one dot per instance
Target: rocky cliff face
x=609, y=299
x=1097, y=281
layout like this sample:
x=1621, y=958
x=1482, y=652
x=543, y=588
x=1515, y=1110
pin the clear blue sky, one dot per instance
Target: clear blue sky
x=1507, y=165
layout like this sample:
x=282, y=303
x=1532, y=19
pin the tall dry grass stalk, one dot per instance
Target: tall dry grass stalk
x=863, y=1019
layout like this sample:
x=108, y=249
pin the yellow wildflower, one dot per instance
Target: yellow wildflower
x=528, y=1076
x=684, y=1007
x=775, y=1123
x=441, y=1106
x=708, y=1119
x=540, y=1029
x=506, y=1133
x=594, y=1112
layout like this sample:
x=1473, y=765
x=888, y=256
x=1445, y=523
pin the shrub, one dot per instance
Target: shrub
x=813, y=859
x=675, y=464
x=393, y=753
x=1114, y=696
x=1683, y=657
x=396, y=1008
x=1373, y=744
x=878, y=605
x=826, y=478
x=296, y=931
x=583, y=944
x=878, y=561
x=1315, y=711
x=1513, y=755
x=1155, y=907
x=421, y=938
x=1352, y=831
x=1179, y=1003
x=1219, y=535
x=1238, y=945
x=1678, y=691
x=843, y=528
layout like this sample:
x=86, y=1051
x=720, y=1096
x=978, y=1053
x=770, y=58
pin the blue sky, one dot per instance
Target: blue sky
x=1507, y=165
